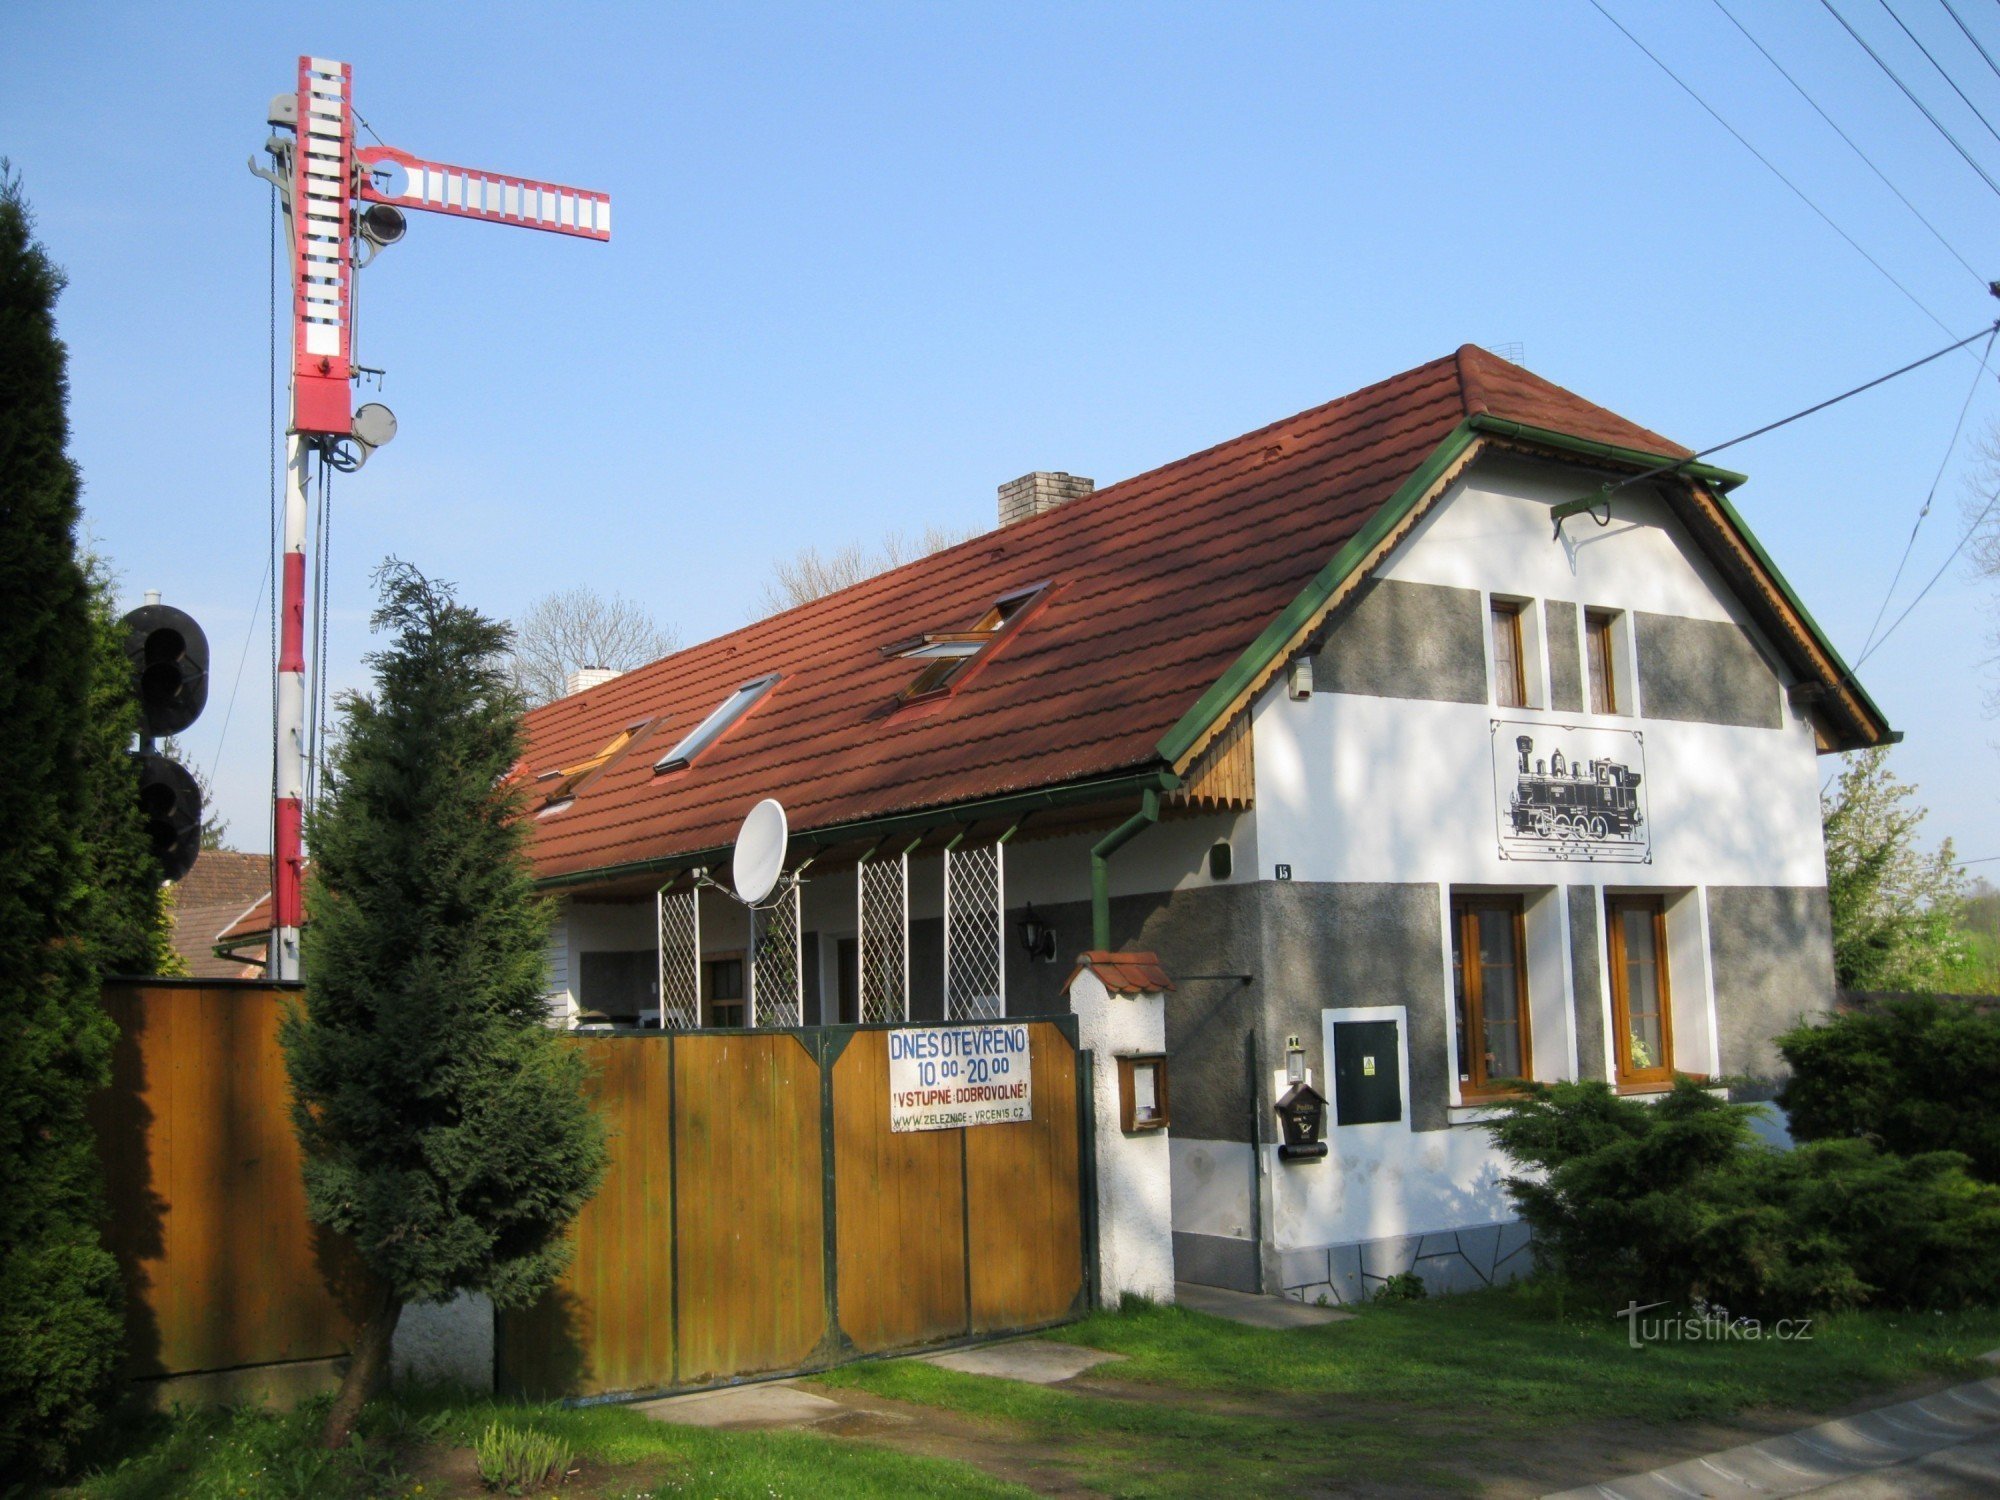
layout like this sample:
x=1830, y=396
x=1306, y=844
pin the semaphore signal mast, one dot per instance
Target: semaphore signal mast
x=344, y=204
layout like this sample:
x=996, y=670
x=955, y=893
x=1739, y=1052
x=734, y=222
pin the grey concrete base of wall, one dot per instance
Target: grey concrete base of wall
x=1451, y=1260
x=280, y=1387
x=447, y=1343
x=1216, y=1260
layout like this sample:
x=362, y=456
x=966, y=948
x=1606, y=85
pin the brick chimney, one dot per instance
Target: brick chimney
x=1033, y=494
x=583, y=679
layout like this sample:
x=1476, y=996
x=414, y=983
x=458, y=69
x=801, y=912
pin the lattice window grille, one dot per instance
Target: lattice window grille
x=975, y=958
x=882, y=896
x=680, y=959
x=777, y=983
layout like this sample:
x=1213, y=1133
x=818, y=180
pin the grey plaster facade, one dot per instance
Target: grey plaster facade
x=1449, y=1260
x=1406, y=640
x=1705, y=671
x=1587, y=974
x=1771, y=951
x=1565, y=662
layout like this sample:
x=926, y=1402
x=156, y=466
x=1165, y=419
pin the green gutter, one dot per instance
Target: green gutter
x=1147, y=783
x=1100, y=866
x=1299, y=613
x=1548, y=437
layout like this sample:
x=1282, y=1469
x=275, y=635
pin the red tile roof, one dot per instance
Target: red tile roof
x=1123, y=973
x=1160, y=582
x=209, y=899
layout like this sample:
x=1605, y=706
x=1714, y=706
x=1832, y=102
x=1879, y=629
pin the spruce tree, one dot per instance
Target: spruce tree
x=445, y=1127
x=61, y=1324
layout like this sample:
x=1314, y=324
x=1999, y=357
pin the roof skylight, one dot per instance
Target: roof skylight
x=718, y=723
x=572, y=779
x=946, y=653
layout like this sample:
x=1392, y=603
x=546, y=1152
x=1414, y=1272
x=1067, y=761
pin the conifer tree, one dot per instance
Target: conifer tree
x=445, y=1127
x=61, y=1325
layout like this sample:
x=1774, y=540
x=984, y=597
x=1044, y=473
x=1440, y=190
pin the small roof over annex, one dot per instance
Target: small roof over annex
x=1092, y=653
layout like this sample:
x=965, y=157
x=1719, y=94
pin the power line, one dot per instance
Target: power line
x=1773, y=168
x=1936, y=479
x=1953, y=12
x=1936, y=233
x=1977, y=114
x=1816, y=407
x=1896, y=79
x=1950, y=558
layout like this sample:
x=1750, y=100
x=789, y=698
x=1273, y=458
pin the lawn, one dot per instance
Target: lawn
x=1454, y=1394
x=1492, y=1392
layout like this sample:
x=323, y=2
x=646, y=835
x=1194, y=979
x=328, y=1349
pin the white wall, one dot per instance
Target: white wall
x=1135, y=1201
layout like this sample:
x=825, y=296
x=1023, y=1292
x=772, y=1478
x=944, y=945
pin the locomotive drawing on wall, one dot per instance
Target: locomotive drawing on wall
x=1571, y=792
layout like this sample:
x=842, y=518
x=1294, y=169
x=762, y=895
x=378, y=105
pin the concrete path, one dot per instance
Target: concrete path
x=1945, y=1446
x=1254, y=1311
x=1037, y=1361
x=773, y=1403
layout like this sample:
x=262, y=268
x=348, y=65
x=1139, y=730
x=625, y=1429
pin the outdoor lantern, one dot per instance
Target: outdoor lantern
x=1037, y=937
x=1301, y=1110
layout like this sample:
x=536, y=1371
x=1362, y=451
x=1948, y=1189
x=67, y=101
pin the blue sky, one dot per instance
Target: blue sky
x=872, y=260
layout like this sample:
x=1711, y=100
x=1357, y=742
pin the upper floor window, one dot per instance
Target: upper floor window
x=1490, y=992
x=947, y=654
x=718, y=723
x=1601, y=655
x=1510, y=675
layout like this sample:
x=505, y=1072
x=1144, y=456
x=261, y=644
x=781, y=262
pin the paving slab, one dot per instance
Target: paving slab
x=767, y=1404
x=1037, y=1361
x=1944, y=1445
x=1254, y=1311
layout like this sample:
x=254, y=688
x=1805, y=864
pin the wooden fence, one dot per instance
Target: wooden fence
x=758, y=1215
x=208, y=1214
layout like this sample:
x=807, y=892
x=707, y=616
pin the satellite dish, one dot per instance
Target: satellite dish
x=760, y=851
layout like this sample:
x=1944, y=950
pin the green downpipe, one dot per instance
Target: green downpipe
x=1100, y=865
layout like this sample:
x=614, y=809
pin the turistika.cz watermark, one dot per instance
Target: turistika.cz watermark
x=1706, y=1323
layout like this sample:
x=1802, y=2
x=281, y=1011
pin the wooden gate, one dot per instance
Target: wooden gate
x=759, y=1215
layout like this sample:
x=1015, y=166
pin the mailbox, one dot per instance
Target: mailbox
x=1142, y=1092
x=1302, y=1119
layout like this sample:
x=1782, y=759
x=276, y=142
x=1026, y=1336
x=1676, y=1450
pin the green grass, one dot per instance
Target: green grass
x=1433, y=1394
x=228, y=1454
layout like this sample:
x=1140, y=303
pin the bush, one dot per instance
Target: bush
x=1676, y=1200
x=516, y=1460
x=1912, y=1076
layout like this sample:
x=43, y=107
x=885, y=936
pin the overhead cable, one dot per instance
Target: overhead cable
x=1953, y=11
x=1785, y=74
x=1772, y=166
x=1964, y=98
x=1909, y=94
x=1936, y=479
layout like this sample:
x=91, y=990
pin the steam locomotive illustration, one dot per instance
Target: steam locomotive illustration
x=1564, y=800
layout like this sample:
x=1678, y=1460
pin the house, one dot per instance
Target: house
x=1452, y=732
x=223, y=888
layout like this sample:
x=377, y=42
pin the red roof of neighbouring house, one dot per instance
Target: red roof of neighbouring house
x=208, y=900
x=1158, y=584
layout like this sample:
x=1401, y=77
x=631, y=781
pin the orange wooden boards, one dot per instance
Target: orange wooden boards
x=1023, y=1208
x=208, y=1215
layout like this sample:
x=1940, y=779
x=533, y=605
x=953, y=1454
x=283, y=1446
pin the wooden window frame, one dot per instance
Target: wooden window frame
x=1128, y=1064
x=1660, y=1075
x=708, y=1000
x=1505, y=616
x=1468, y=1037
x=1599, y=627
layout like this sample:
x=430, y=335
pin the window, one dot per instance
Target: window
x=947, y=653
x=722, y=991
x=570, y=780
x=1641, y=1008
x=1490, y=992
x=1510, y=685
x=1598, y=650
x=712, y=728
x=624, y=988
